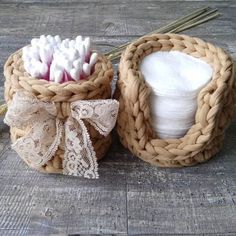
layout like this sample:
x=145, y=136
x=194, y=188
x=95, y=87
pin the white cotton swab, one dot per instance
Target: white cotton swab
x=33, y=53
x=25, y=49
x=72, y=43
x=93, y=59
x=39, y=69
x=46, y=53
x=78, y=40
x=35, y=62
x=82, y=52
x=75, y=73
x=49, y=53
x=58, y=75
x=35, y=42
x=52, y=69
x=72, y=54
x=57, y=39
x=77, y=63
x=50, y=39
x=43, y=69
x=26, y=57
x=65, y=43
x=43, y=39
x=68, y=66
x=43, y=54
x=33, y=72
x=86, y=69
x=61, y=60
x=27, y=66
x=87, y=43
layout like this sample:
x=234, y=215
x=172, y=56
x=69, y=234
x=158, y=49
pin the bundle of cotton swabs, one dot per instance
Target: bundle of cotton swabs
x=57, y=60
x=186, y=22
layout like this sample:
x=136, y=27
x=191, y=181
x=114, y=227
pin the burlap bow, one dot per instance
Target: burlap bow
x=46, y=132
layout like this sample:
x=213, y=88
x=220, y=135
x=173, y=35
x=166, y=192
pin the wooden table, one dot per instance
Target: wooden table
x=130, y=197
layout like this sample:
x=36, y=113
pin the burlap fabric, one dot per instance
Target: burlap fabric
x=215, y=103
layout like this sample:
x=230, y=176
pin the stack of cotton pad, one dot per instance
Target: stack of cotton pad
x=176, y=80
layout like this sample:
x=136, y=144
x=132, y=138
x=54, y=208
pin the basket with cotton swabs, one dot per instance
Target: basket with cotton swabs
x=59, y=108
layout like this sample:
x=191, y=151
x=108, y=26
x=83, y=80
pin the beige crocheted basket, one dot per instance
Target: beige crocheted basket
x=96, y=87
x=215, y=104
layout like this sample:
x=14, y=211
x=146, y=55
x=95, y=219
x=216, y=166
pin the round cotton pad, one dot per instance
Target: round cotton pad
x=176, y=79
x=175, y=73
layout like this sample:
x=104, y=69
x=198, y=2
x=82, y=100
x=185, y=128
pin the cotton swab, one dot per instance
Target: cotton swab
x=42, y=54
x=40, y=68
x=77, y=63
x=49, y=53
x=75, y=73
x=33, y=53
x=43, y=69
x=78, y=40
x=59, y=60
x=35, y=42
x=65, y=43
x=34, y=73
x=27, y=65
x=86, y=69
x=52, y=69
x=72, y=43
x=26, y=57
x=50, y=39
x=73, y=54
x=87, y=44
x=82, y=52
x=93, y=59
x=43, y=39
x=57, y=39
x=68, y=66
x=58, y=75
x=46, y=54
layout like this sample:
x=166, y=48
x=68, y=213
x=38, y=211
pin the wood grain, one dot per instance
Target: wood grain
x=130, y=197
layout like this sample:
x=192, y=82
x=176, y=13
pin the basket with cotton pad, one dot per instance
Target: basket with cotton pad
x=60, y=110
x=177, y=97
x=175, y=79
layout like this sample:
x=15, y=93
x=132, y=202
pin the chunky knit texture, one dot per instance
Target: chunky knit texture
x=96, y=87
x=215, y=103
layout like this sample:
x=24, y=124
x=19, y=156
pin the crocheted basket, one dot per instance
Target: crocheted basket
x=96, y=87
x=215, y=103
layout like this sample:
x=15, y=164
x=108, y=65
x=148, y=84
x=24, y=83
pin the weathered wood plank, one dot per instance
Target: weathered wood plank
x=131, y=197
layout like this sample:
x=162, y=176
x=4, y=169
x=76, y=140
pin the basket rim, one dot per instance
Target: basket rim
x=102, y=75
x=101, y=58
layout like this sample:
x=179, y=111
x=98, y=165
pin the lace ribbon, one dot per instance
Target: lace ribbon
x=45, y=131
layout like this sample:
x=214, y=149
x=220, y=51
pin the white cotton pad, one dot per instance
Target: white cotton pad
x=166, y=106
x=171, y=134
x=175, y=73
x=160, y=123
x=176, y=80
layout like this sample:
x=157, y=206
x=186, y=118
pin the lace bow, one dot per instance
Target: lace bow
x=45, y=131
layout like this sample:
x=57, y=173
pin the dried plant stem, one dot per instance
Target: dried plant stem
x=174, y=24
x=193, y=19
x=182, y=28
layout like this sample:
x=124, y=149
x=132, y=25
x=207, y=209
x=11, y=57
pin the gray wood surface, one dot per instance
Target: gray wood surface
x=131, y=197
